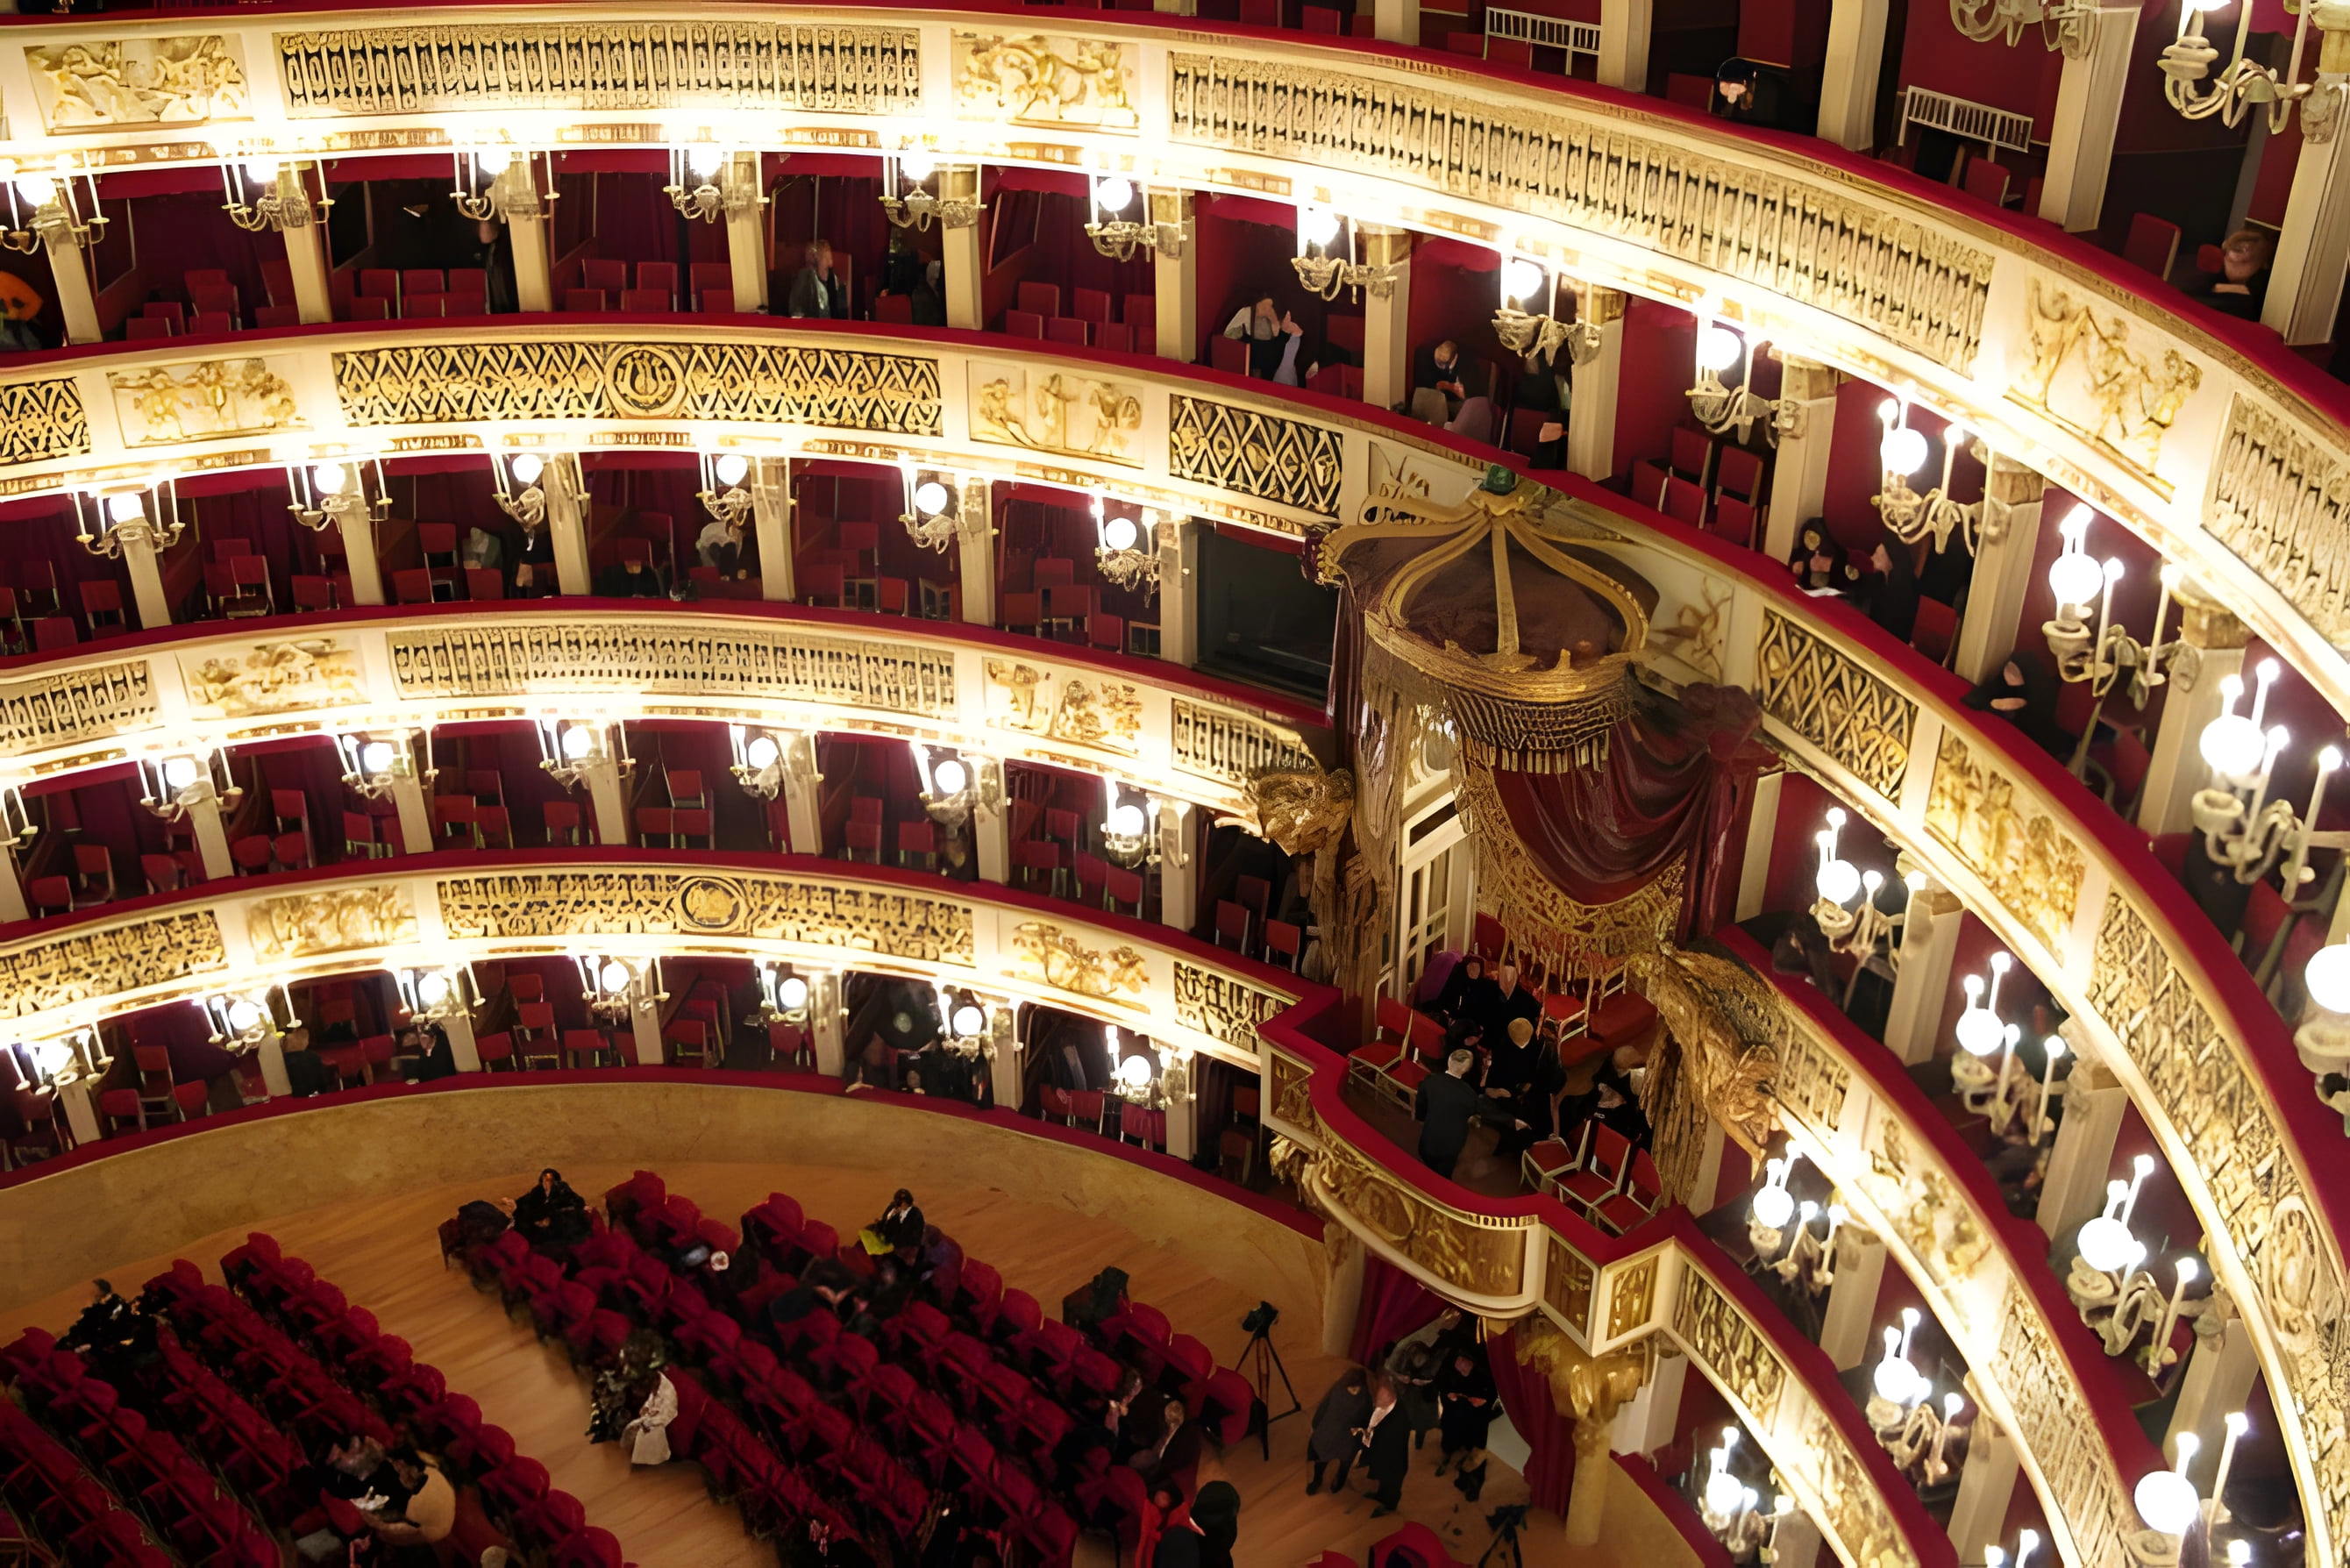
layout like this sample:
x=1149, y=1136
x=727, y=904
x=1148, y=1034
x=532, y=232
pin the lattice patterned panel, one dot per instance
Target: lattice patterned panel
x=38, y=712
x=600, y=66
x=752, y=664
x=2023, y=854
x=1851, y=1503
x=1716, y=1333
x=556, y=904
x=1808, y=239
x=42, y=420
x=90, y=964
x=1287, y=461
x=2073, y=1460
x=478, y=383
x=1221, y=1007
x=1832, y=701
x=2283, y=505
x=1811, y=1081
x=1215, y=744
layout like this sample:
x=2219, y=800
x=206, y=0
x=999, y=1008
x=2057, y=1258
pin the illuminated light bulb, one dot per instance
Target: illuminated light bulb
x=262, y=170
x=1719, y=348
x=2328, y=978
x=2105, y=1243
x=2027, y=1541
x=2240, y=1552
x=126, y=508
x=1114, y=194
x=433, y=987
x=1134, y=1072
x=917, y=166
x=1838, y=882
x=949, y=776
x=1723, y=1493
x=179, y=772
x=1952, y=1403
x=1894, y=1377
x=1773, y=1206
x=929, y=498
x=1979, y=1030
x=329, y=478
x=375, y=757
x=969, y=1021
x=2167, y=1502
x=578, y=742
x=703, y=161
x=762, y=752
x=731, y=468
x=1126, y=820
x=1120, y=534
x=1317, y=225
x=613, y=977
x=528, y=466
x=36, y=189
x=1522, y=279
x=793, y=992
x=2074, y=577
x=1903, y=451
x=243, y=1014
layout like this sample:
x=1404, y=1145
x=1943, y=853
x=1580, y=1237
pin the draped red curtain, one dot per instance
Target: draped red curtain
x=1394, y=1305
x=1526, y=1397
x=1676, y=779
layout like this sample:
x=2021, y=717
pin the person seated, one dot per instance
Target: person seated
x=1888, y=594
x=305, y=1075
x=818, y=292
x=1507, y=1003
x=1440, y=382
x=1272, y=336
x=1470, y=996
x=898, y=1233
x=1820, y=564
x=2023, y=692
x=104, y=1323
x=413, y=1529
x=1171, y=1448
x=1749, y=94
x=432, y=1056
x=2240, y=286
x=482, y=549
x=551, y=1217
x=719, y=545
x=826, y=1286
x=630, y=579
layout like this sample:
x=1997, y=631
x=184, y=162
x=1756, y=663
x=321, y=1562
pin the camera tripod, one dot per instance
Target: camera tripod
x=1260, y=1361
x=1502, y=1551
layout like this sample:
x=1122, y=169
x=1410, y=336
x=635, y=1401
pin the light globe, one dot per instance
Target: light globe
x=1772, y=1207
x=1125, y=821
x=2328, y=977
x=578, y=742
x=1837, y=881
x=2232, y=744
x=243, y=1014
x=528, y=466
x=613, y=977
x=433, y=987
x=1720, y=348
x=1903, y=451
x=36, y=189
x=730, y=469
x=1980, y=1032
x=2076, y=578
x=929, y=498
x=1317, y=225
x=950, y=777
x=762, y=752
x=968, y=1021
x=918, y=166
x=1723, y=1493
x=329, y=478
x=2167, y=1502
x=179, y=772
x=2107, y=1245
x=375, y=757
x=1134, y=1072
x=1114, y=194
x=1120, y=534
x=793, y=994
x=126, y=508
x=1521, y=279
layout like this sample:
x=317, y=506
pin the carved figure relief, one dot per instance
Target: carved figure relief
x=1221, y=1007
x=1056, y=411
x=1046, y=79
x=1729, y=1075
x=1480, y=1259
x=198, y=402
x=1695, y=634
x=342, y=919
x=1043, y=951
x=1086, y=710
x=275, y=676
x=1836, y=702
x=2084, y=376
x=2021, y=853
x=138, y=81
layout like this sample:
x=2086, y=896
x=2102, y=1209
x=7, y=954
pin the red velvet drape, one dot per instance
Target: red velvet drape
x=1394, y=1305
x=1525, y=1396
x=1675, y=779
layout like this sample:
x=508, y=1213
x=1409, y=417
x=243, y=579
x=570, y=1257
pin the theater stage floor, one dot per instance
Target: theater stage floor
x=383, y=1254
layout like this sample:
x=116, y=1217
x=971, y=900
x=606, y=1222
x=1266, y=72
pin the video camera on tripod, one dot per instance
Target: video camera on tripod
x=1259, y=1360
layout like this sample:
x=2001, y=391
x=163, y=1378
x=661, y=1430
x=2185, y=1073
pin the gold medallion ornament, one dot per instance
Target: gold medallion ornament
x=645, y=381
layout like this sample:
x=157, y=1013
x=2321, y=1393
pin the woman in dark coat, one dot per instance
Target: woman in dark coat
x=2023, y=692
x=1338, y=1435
x=1891, y=596
x=1466, y=1403
x=550, y=1216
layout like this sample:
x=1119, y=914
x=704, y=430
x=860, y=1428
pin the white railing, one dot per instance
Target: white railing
x=1963, y=118
x=1542, y=31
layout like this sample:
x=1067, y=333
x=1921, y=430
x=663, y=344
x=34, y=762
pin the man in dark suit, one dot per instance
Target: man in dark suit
x=1446, y=1105
x=1386, y=1447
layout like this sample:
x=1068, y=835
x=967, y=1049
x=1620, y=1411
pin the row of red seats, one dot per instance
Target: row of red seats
x=53, y=1497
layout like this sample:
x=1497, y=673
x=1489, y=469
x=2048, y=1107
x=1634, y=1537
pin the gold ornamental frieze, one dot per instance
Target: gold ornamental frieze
x=94, y=966
x=139, y=81
x=1079, y=707
x=1466, y=1253
x=62, y=708
x=1284, y=460
x=42, y=420
x=2022, y=854
x=1046, y=79
x=567, y=380
x=1223, y=1007
x=1567, y=1282
x=339, y=921
x=1292, y=1083
x=275, y=678
x=1057, y=410
x=207, y=400
x=1736, y=1358
x=2075, y=1466
x=2087, y=376
x=1045, y=954
x=1231, y=748
x=425, y=69
x=2281, y=502
x=1850, y=1506
x=1631, y=1295
x=1860, y=720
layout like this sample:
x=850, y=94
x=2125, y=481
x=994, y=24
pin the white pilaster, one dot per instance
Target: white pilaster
x=1762, y=832
x=771, y=518
x=1386, y=323
x=1849, y=76
x=2178, y=769
x=1848, y=1321
x=13, y=906
x=1179, y=592
x=1396, y=21
x=990, y=827
x=2003, y=572
x=305, y=258
x=2088, y=111
x=1623, y=43
x=1179, y=871
x=976, y=557
x=746, y=238
x=2305, y=275
x=1591, y=405
x=147, y=591
x=212, y=836
x=1986, y=1487
x=415, y=814
x=607, y=799
x=827, y=1029
x=2074, y=1186
x=1799, y=474
x=803, y=818
x=1175, y=279
x=1342, y=1298
x=966, y=262
x=357, y=530
x=1921, y=985
x=69, y=277
x=567, y=524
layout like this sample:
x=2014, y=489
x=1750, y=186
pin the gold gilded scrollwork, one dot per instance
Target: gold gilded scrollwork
x=1217, y=745
x=309, y=673
x=301, y=924
x=1730, y=1073
x=41, y=420
x=1850, y=1505
x=138, y=81
x=57, y=709
x=1045, y=80
x=1632, y=1296
x=1738, y=1358
x=1567, y=1282
x=1832, y=701
x=200, y=401
x=2281, y=503
x=1924, y=1206
x=88, y=965
x=1589, y=1389
x=1221, y=1007
x=1454, y=1249
x=2073, y=1460
x=1043, y=951
x=1293, y=1091
x=2085, y=377
x=2022, y=854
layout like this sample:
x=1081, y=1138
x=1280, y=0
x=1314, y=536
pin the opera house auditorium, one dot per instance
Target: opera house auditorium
x=1174, y=783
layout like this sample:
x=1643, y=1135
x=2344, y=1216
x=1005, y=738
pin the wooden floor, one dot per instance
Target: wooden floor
x=384, y=1256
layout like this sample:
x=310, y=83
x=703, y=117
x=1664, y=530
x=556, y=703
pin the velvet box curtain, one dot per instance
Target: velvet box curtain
x=1393, y=1306
x=1550, y=1436
x=1676, y=778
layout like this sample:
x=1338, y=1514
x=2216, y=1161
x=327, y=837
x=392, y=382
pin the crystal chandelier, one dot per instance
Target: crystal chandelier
x=707, y=182
x=503, y=183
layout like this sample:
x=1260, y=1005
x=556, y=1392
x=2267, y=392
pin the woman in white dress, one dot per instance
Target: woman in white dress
x=646, y=1437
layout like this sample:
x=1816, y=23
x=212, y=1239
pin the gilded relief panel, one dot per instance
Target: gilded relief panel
x=1738, y=1358
x=1056, y=411
x=2283, y=505
x=273, y=677
x=2073, y=1458
x=137, y=81
x=1832, y=701
x=41, y=711
x=1477, y=1258
x=2084, y=376
x=597, y=65
x=90, y=965
x=40, y=420
x=1043, y=952
x=1215, y=744
x=1922, y=1202
x=201, y=402
x=1089, y=710
x=1273, y=459
x=1045, y=79
x=1293, y=1090
x=1222, y=1007
x=1567, y=1278
x=1851, y=1504
x=301, y=925
x=2022, y=854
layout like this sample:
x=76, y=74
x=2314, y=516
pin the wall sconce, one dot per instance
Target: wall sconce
x=1114, y=232
x=953, y=788
x=1809, y=1263
x=2168, y=1504
x=1768, y=1211
x=1909, y=515
x=964, y=1025
x=503, y=182
x=910, y=205
x=1524, y=329
x=1867, y=931
x=2101, y=653
x=1922, y=1442
x=337, y=492
x=239, y=1023
x=721, y=493
x=1326, y=274
x=783, y=997
x=1127, y=550
x=16, y=824
x=617, y=987
x=2064, y=27
x=1158, y=1086
x=1726, y=1505
x=1895, y=1384
x=2052, y=1049
x=375, y=764
x=934, y=515
x=264, y=193
x=2188, y=61
x=50, y=207
x=78, y=1055
x=2027, y=1541
x=124, y=520
x=1720, y=348
x=437, y=995
x=705, y=183
x=172, y=784
x=570, y=749
x=1129, y=833
x=2115, y=1295
x=2242, y=828
x=519, y=480
x=758, y=763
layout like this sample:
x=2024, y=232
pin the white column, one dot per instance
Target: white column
x=146, y=592
x=1797, y=1543
x=771, y=518
x=69, y=276
x=645, y=1034
x=1986, y=1487
x=961, y=250
x=1183, y=1130
x=212, y=836
x=528, y=233
x=1623, y=43
x=1762, y=832
x=305, y=258
x=271, y=1054
x=1386, y=323
x=1848, y=76
x=976, y=557
x=77, y=1098
x=802, y=818
x=1799, y=474
x=2220, y=1371
x=1175, y=276
x=566, y=524
x=415, y=814
x=2088, y=110
x=827, y=1030
x=1179, y=870
x=1396, y=21
x=356, y=531
x=458, y=1029
x=2178, y=769
x=1591, y=401
x=1646, y=1422
x=991, y=826
x=2003, y=573
x=13, y=906
x=1930, y=946
x=1342, y=1298
x=2305, y=277
x=746, y=236
x=2074, y=1186
x=607, y=799
x=1848, y=1321
x=1004, y=1076
x=1179, y=592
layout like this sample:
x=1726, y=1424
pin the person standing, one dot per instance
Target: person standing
x=1204, y=1538
x=1467, y=1402
x=1337, y=1434
x=1411, y=1367
x=1386, y=1447
x=646, y=1437
x=1445, y=1107
x=819, y=291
